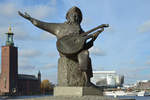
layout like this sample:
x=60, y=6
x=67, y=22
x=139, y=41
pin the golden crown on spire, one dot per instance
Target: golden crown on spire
x=9, y=30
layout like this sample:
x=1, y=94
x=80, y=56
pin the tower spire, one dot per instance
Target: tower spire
x=39, y=76
x=9, y=29
x=9, y=41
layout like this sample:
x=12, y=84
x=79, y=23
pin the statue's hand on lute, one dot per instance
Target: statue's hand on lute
x=95, y=35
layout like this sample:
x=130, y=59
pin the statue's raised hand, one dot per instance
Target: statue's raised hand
x=105, y=25
x=25, y=15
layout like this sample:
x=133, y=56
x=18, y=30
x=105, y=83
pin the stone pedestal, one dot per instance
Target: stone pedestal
x=76, y=91
x=69, y=73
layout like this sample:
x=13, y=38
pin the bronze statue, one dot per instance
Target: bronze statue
x=73, y=47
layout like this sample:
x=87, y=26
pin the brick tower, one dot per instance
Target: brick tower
x=9, y=66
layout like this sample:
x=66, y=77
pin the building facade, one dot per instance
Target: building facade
x=10, y=81
x=107, y=79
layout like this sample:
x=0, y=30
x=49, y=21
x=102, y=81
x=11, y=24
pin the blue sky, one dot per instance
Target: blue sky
x=123, y=47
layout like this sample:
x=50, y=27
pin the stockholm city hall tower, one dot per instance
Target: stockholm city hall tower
x=11, y=82
x=9, y=65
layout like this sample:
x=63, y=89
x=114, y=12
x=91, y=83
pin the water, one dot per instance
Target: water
x=39, y=96
x=136, y=97
x=22, y=97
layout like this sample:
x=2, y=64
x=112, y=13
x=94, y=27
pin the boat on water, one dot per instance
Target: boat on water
x=114, y=93
x=132, y=93
x=143, y=93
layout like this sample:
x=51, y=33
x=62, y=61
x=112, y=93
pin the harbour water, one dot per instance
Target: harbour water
x=40, y=96
x=136, y=97
x=22, y=97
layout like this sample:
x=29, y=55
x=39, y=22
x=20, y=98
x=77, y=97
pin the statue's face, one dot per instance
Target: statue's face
x=74, y=15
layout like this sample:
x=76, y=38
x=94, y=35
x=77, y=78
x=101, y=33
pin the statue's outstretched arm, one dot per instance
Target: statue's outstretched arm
x=49, y=27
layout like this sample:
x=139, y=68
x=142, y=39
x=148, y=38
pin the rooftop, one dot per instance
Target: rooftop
x=27, y=77
x=104, y=72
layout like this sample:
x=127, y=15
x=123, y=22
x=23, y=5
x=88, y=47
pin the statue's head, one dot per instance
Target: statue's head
x=74, y=15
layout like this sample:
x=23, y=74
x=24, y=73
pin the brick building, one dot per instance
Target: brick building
x=10, y=81
x=143, y=85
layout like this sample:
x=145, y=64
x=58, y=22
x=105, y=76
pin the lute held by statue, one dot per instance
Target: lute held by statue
x=74, y=43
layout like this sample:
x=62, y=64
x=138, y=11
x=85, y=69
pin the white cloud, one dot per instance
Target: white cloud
x=53, y=54
x=20, y=33
x=147, y=62
x=46, y=36
x=145, y=27
x=132, y=61
x=96, y=51
x=86, y=21
x=47, y=66
x=133, y=73
x=53, y=2
x=2, y=35
x=40, y=11
x=133, y=69
x=24, y=64
x=52, y=77
x=109, y=29
x=8, y=9
x=29, y=53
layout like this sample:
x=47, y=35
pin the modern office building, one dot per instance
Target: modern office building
x=107, y=79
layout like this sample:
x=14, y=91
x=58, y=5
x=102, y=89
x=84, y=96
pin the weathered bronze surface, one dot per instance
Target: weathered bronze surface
x=74, y=43
x=74, y=66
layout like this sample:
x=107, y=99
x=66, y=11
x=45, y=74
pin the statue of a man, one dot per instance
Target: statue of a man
x=70, y=27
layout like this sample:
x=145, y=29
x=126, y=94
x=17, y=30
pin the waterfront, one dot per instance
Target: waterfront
x=136, y=97
x=40, y=96
x=22, y=97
